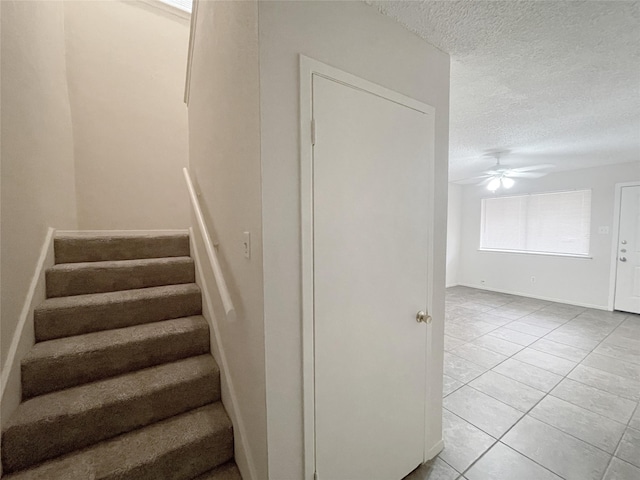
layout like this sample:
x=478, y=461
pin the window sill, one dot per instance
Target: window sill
x=547, y=254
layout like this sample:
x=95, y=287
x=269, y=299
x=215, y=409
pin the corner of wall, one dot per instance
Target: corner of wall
x=37, y=146
x=225, y=164
x=71, y=114
x=454, y=234
x=23, y=336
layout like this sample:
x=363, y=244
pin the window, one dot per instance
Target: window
x=555, y=223
x=184, y=5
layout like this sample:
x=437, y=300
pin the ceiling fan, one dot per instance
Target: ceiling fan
x=502, y=176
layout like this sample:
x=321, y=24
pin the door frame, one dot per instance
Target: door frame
x=615, y=237
x=308, y=68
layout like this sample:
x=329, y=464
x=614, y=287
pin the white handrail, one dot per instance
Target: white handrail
x=211, y=252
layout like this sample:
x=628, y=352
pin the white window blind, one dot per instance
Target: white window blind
x=558, y=223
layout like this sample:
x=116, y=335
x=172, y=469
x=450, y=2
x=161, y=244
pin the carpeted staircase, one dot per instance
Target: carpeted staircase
x=120, y=383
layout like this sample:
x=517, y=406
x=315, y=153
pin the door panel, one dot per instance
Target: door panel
x=370, y=207
x=627, y=297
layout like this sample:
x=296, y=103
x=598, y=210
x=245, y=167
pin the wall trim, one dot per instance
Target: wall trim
x=23, y=338
x=244, y=458
x=615, y=239
x=537, y=297
x=192, y=43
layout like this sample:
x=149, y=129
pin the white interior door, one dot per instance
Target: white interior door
x=627, y=297
x=370, y=242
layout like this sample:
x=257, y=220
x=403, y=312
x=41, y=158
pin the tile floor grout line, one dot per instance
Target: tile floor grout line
x=496, y=440
x=565, y=377
x=636, y=410
x=511, y=356
x=615, y=450
x=598, y=388
x=504, y=434
x=528, y=412
x=546, y=394
x=510, y=428
x=586, y=384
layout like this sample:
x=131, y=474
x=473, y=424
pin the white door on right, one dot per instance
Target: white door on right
x=627, y=297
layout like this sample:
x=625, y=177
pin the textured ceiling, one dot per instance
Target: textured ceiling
x=549, y=81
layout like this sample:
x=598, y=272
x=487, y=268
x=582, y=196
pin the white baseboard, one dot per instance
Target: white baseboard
x=537, y=297
x=244, y=458
x=449, y=285
x=435, y=450
x=23, y=336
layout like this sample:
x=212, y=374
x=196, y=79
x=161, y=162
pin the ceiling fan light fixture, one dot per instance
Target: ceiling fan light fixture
x=507, y=182
x=494, y=184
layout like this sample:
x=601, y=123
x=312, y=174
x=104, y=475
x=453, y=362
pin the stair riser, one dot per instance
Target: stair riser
x=228, y=471
x=99, y=280
x=24, y=446
x=77, y=320
x=52, y=374
x=202, y=456
x=181, y=464
x=179, y=448
x=98, y=249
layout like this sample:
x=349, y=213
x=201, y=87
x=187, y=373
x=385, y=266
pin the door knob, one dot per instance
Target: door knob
x=423, y=317
x=623, y=259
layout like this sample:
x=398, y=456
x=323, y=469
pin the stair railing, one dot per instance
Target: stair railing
x=229, y=309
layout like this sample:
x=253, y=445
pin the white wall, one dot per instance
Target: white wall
x=356, y=38
x=38, y=182
x=579, y=281
x=126, y=66
x=454, y=233
x=37, y=172
x=224, y=135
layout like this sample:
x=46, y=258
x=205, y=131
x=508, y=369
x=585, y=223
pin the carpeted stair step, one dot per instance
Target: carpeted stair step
x=179, y=448
x=68, y=279
x=82, y=248
x=228, y=471
x=80, y=314
x=50, y=425
x=66, y=362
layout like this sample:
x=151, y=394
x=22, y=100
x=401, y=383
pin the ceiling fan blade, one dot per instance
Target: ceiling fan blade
x=472, y=180
x=517, y=174
x=531, y=168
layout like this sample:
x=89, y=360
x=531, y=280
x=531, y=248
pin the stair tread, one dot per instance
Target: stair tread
x=116, y=264
x=96, y=395
x=80, y=314
x=130, y=454
x=228, y=471
x=71, y=248
x=106, y=298
x=105, y=339
x=71, y=279
x=69, y=361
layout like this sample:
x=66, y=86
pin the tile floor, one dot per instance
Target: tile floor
x=535, y=390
